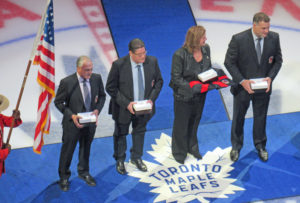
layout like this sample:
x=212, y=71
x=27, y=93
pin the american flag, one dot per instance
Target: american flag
x=43, y=54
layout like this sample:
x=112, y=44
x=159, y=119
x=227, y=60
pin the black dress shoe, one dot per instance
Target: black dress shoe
x=234, y=155
x=64, y=184
x=263, y=154
x=139, y=164
x=121, y=167
x=88, y=179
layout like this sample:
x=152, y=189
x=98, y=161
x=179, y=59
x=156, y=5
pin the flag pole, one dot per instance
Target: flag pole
x=35, y=44
x=19, y=100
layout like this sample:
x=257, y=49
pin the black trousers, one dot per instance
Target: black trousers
x=187, y=117
x=260, y=104
x=71, y=135
x=138, y=133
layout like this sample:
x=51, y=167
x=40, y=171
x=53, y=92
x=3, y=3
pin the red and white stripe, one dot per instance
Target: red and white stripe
x=46, y=78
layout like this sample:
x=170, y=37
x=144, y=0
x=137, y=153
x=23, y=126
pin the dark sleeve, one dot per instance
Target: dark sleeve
x=277, y=59
x=101, y=94
x=157, y=83
x=112, y=86
x=61, y=99
x=231, y=59
x=177, y=79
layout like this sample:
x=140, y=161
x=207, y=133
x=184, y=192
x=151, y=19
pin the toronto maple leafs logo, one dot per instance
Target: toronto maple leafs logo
x=196, y=179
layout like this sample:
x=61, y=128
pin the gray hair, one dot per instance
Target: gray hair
x=261, y=16
x=135, y=44
x=81, y=60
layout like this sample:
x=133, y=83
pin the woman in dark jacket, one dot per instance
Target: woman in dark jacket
x=189, y=93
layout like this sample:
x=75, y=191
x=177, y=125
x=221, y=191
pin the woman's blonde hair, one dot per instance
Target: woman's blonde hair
x=193, y=36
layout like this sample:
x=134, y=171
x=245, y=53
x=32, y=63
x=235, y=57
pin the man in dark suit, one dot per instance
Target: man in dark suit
x=82, y=91
x=254, y=53
x=124, y=85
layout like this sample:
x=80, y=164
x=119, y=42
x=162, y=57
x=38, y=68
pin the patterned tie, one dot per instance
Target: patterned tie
x=87, y=96
x=140, y=83
x=258, y=49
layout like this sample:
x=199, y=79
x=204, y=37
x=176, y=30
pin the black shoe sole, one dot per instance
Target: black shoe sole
x=88, y=183
x=121, y=172
x=136, y=165
x=64, y=188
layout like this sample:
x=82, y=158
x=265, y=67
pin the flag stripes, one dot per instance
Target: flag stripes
x=44, y=57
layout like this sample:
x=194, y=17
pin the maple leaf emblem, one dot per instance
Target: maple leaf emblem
x=196, y=179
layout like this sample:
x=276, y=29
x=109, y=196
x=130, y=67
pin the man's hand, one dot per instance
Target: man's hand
x=247, y=86
x=75, y=119
x=269, y=80
x=130, y=107
x=7, y=146
x=150, y=101
x=16, y=114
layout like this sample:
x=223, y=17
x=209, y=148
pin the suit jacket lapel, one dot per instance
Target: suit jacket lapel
x=93, y=90
x=252, y=46
x=147, y=69
x=77, y=90
x=265, y=46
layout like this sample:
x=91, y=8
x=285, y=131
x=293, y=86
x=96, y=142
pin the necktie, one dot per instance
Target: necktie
x=140, y=83
x=258, y=49
x=87, y=96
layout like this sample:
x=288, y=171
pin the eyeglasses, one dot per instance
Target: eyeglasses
x=140, y=54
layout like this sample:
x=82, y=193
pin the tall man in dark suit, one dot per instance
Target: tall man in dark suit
x=82, y=91
x=125, y=90
x=253, y=53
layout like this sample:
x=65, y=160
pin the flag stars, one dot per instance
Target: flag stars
x=49, y=23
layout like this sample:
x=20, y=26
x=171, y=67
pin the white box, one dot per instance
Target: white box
x=142, y=107
x=259, y=84
x=87, y=117
x=207, y=75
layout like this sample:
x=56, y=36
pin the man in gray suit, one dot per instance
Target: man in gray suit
x=253, y=53
x=125, y=90
x=82, y=91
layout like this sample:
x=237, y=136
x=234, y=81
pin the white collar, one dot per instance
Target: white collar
x=81, y=79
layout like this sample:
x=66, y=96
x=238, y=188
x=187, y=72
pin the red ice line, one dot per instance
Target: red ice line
x=104, y=37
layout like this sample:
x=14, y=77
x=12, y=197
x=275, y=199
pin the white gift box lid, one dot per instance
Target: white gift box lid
x=142, y=105
x=259, y=84
x=87, y=117
x=207, y=75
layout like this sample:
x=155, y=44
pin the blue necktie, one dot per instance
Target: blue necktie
x=258, y=49
x=87, y=96
x=140, y=83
